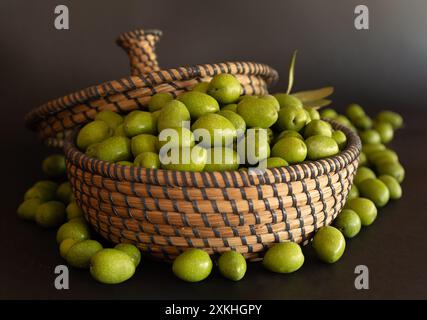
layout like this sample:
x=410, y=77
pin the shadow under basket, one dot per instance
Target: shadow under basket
x=166, y=212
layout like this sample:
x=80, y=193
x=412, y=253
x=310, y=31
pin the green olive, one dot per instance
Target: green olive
x=364, y=208
x=353, y=193
x=54, y=166
x=73, y=211
x=328, y=113
x=376, y=157
x=291, y=149
x=27, y=209
x=253, y=147
x=64, y=192
x=138, y=122
x=354, y=111
x=93, y=132
x=92, y=150
x=144, y=143
x=47, y=184
x=340, y=138
x=201, y=87
x=274, y=162
x=291, y=117
x=368, y=148
x=120, y=131
x=176, y=137
x=80, y=253
x=391, y=168
x=329, y=244
x=148, y=159
x=318, y=127
x=288, y=133
x=192, y=265
x=272, y=100
x=385, y=130
x=238, y=122
x=199, y=103
x=74, y=230
x=159, y=100
x=225, y=88
x=173, y=115
x=230, y=107
x=363, y=173
x=184, y=159
x=232, y=265
x=130, y=250
x=319, y=147
x=284, y=257
x=393, y=186
x=348, y=222
x=287, y=100
x=391, y=117
x=44, y=194
x=50, y=214
x=114, y=149
x=217, y=130
x=113, y=119
x=370, y=136
x=363, y=160
x=269, y=131
x=375, y=190
x=222, y=159
x=313, y=113
x=363, y=123
x=111, y=266
x=257, y=112
x=65, y=246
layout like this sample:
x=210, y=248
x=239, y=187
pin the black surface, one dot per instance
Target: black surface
x=384, y=66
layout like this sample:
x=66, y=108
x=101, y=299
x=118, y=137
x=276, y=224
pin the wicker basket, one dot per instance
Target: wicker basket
x=55, y=119
x=165, y=212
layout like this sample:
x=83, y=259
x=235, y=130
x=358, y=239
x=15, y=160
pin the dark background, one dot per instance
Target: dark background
x=384, y=67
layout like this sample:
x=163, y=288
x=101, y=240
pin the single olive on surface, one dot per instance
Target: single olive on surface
x=365, y=209
x=130, y=250
x=159, y=100
x=319, y=147
x=284, y=257
x=149, y=160
x=54, y=166
x=291, y=149
x=329, y=244
x=232, y=265
x=50, y=214
x=393, y=186
x=363, y=123
x=328, y=113
x=354, y=111
x=93, y=132
x=369, y=148
x=375, y=190
x=391, y=117
x=370, y=136
x=81, y=252
x=318, y=127
x=113, y=119
x=391, y=168
x=343, y=120
x=348, y=222
x=385, y=130
x=47, y=184
x=41, y=193
x=225, y=88
x=27, y=209
x=74, y=230
x=198, y=103
x=192, y=265
x=111, y=266
x=363, y=173
x=64, y=192
x=73, y=210
x=375, y=157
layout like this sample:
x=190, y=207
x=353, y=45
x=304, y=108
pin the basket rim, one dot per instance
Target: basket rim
x=217, y=179
x=151, y=79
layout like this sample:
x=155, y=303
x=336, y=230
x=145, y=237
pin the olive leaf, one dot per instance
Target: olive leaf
x=312, y=95
x=316, y=104
x=291, y=72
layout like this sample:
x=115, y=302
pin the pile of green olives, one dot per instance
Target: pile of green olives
x=219, y=127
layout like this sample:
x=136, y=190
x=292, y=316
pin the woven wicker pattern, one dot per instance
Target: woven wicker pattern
x=165, y=212
x=58, y=117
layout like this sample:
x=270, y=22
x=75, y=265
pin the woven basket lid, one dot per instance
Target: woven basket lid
x=56, y=118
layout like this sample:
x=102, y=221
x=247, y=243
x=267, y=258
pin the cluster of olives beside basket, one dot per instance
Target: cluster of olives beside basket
x=285, y=132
